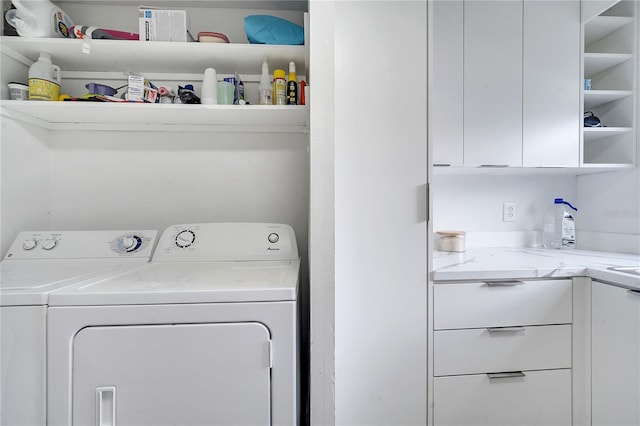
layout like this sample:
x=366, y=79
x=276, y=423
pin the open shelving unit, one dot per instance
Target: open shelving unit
x=108, y=61
x=609, y=61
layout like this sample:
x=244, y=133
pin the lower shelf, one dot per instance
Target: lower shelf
x=160, y=117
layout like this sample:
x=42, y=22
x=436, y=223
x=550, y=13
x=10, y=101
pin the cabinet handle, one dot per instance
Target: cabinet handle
x=493, y=165
x=441, y=165
x=506, y=375
x=503, y=283
x=505, y=329
x=634, y=291
x=106, y=406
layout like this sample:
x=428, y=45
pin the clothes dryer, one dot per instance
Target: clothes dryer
x=204, y=334
x=36, y=264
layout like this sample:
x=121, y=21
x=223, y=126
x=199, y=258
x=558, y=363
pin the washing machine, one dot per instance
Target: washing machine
x=36, y=264
x=204, y=334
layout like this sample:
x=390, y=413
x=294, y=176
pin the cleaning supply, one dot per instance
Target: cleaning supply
x=265, y=88
x=292, y=85
x=279, y=88
x=559, y=230
x=44, y=79
x=208, y=93
x=38, y=18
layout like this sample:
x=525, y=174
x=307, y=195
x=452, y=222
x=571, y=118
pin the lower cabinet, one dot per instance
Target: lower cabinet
x=521, y=398
x=502, y=353
x=615, y=346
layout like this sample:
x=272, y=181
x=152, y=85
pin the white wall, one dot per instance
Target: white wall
x=610, y=218
x=474, y=203
x=380, y=212
x=25, y=180
x=608, y=203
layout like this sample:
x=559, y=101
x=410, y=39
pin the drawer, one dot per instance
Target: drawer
x=502, y=304
x=537, y=398
x=487, y=350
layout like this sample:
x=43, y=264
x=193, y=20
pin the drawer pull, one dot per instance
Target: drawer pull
x=506, y=374
x=505, y=329
x=503, y=283
x=637, y=292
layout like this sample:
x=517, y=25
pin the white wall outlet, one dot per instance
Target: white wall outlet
x=509, y=212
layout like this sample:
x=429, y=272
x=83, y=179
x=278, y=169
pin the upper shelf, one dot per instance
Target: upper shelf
x=158, y=117
x=595, y=63
x=147, y=57
x=601, y=26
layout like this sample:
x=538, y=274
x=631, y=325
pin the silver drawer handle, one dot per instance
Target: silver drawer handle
x=505, y=329
x=503, y=283
x=506, y=374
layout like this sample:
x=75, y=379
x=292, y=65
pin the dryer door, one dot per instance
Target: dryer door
x=185, y=374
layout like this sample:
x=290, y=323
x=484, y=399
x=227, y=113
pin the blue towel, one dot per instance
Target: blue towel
x=266, y=29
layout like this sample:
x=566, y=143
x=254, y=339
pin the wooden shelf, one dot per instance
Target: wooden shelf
x=595, y=98
x=158, y=117
x=595, y=63
x=146, y=57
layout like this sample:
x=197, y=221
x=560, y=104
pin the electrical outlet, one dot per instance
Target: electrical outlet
x=509, y=212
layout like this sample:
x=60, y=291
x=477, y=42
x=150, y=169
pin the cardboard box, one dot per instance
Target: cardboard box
x=162, y=24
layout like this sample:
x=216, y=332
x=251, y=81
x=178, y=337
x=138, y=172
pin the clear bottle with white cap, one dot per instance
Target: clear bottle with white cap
x=265, y=88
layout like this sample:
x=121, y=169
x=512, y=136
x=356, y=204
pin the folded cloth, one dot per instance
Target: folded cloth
x=267, y=29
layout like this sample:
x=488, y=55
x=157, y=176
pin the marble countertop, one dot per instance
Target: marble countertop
x=526, y=263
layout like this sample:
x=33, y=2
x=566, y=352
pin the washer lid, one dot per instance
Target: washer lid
x=28, y=282
x=189, y=282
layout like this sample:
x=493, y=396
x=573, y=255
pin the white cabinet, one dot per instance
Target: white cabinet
x=502, y=352
x=495, y=99
x=615, y=346
x=550, y=91
x=446, y=91
x=492, y=83
x=610, y=45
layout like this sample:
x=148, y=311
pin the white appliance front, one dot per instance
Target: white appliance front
x=36, y=264
x=207, y=339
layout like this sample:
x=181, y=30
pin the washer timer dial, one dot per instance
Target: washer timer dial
x=185, y=238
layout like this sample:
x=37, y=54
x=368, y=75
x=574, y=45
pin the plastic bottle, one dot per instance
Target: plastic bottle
x=292, y=85
x=279, y=88
x=44, y=79
x=559, y=230
x=208, y=92
x=265, y=88
x=39, y=18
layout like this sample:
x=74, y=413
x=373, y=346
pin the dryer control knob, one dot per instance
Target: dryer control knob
x=273, y=237
x=185, y=238
x=49, y=244
x=29, y=244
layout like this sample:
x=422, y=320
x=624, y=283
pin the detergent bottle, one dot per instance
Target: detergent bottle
x=38, y=18
x=44, y=79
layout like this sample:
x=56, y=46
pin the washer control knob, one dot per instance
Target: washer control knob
x=273, y=237
x=185, y=238
x=49, y=244
x=29, y=244
x=131, y=243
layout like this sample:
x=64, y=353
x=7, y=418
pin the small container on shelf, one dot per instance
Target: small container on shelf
x=452, y=241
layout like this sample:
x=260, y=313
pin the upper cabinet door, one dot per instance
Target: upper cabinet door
x=446, y=88
x=493, y=83
x=551, y=89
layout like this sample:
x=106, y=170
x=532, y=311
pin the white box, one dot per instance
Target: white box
x=135, y=90
x=162, y=24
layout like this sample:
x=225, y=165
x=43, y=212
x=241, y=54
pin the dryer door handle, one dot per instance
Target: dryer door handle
x=106, y=406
